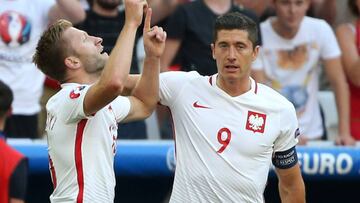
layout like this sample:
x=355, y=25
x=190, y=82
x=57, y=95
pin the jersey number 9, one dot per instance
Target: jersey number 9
x=224, y=137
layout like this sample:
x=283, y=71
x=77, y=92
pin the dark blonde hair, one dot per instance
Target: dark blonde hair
x=51, y=51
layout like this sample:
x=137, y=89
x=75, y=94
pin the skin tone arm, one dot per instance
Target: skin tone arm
x=116, y=70
x=291, y=185
x=14, y=200
x=336, y=77
x=71, y=10
x=350, y=60
x=171, y=48
x=146, y=93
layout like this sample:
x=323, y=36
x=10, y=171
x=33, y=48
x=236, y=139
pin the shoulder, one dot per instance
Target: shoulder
x=310, y=23
x=67, y=92
x=180, y=74
x=345, y=28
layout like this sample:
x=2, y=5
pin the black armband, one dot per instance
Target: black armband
x=285, y=159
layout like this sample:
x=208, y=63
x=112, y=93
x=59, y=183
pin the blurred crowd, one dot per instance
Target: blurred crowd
x=304, y=49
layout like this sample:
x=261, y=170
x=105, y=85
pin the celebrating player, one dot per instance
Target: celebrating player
x=82, y=117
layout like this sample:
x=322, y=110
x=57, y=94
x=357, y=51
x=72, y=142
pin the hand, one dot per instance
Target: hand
x=154, y=38
x=134, y=11
x=302, y=140
x=346, y=140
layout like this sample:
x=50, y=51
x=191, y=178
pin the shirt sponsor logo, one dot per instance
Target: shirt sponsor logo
x=255, y=122
x=76, y=92
x=196, y=105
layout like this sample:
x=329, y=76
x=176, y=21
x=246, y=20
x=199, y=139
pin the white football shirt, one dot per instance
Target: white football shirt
x=224, y=144
x=82, y=148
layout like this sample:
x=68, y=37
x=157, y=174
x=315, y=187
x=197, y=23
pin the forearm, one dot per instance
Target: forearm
x=295, y=193
x=71, y=10
x=117, y=68
x=342, y=104
x=353, y=73
x=147, y=88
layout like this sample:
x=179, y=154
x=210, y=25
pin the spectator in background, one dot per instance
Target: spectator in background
x=82, y=117
x=349, y=39
x=262, y=8
x=21, y=24
x=105, y=19
x=13, y=165
x=288, y=62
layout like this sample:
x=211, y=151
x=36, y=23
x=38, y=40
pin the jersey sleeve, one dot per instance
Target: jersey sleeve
x=289, y=131
x=72, y=105
x=329, y=45
x=172, y=83
x=121, y=107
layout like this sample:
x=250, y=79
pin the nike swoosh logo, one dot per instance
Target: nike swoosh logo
x=196, y=105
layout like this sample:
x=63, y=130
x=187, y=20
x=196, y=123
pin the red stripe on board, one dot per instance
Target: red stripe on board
x=78, y=159
x=52, y=170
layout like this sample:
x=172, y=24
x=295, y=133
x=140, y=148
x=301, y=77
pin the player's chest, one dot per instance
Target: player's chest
x=241, y=123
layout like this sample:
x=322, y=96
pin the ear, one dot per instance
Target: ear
x=255, y=52
x=213, y=50
x=9, y=112
x=72, y=62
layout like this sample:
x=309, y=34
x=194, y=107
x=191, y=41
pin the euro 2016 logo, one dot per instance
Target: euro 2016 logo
x=15, y=29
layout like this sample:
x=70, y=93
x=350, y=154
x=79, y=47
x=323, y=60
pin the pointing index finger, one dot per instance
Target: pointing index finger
x=147, y=22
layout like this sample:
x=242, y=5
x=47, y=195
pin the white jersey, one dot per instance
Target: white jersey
x=224, y=144
x=82, y=148
x=21, y=24
x=292, y=65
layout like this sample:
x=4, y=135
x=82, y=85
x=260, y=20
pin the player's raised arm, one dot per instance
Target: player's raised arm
x=113, y=77
x=145, y=94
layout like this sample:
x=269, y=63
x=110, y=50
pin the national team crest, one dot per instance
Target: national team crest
x=76, y=92
x=255, y=122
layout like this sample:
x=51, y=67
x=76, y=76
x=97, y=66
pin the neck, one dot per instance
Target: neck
x=104, y=12
x=283, y=31
x=219, y=7
x=234, y=87
x=84, y=79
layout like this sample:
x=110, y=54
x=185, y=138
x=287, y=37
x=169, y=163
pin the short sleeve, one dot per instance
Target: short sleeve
x=329, y=45
x=289, y=130
x=121, y=107
x=172, y=83
x=176, y=25
x=71, y=103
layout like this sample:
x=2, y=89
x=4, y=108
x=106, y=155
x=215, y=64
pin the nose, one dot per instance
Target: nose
x=231, y=56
